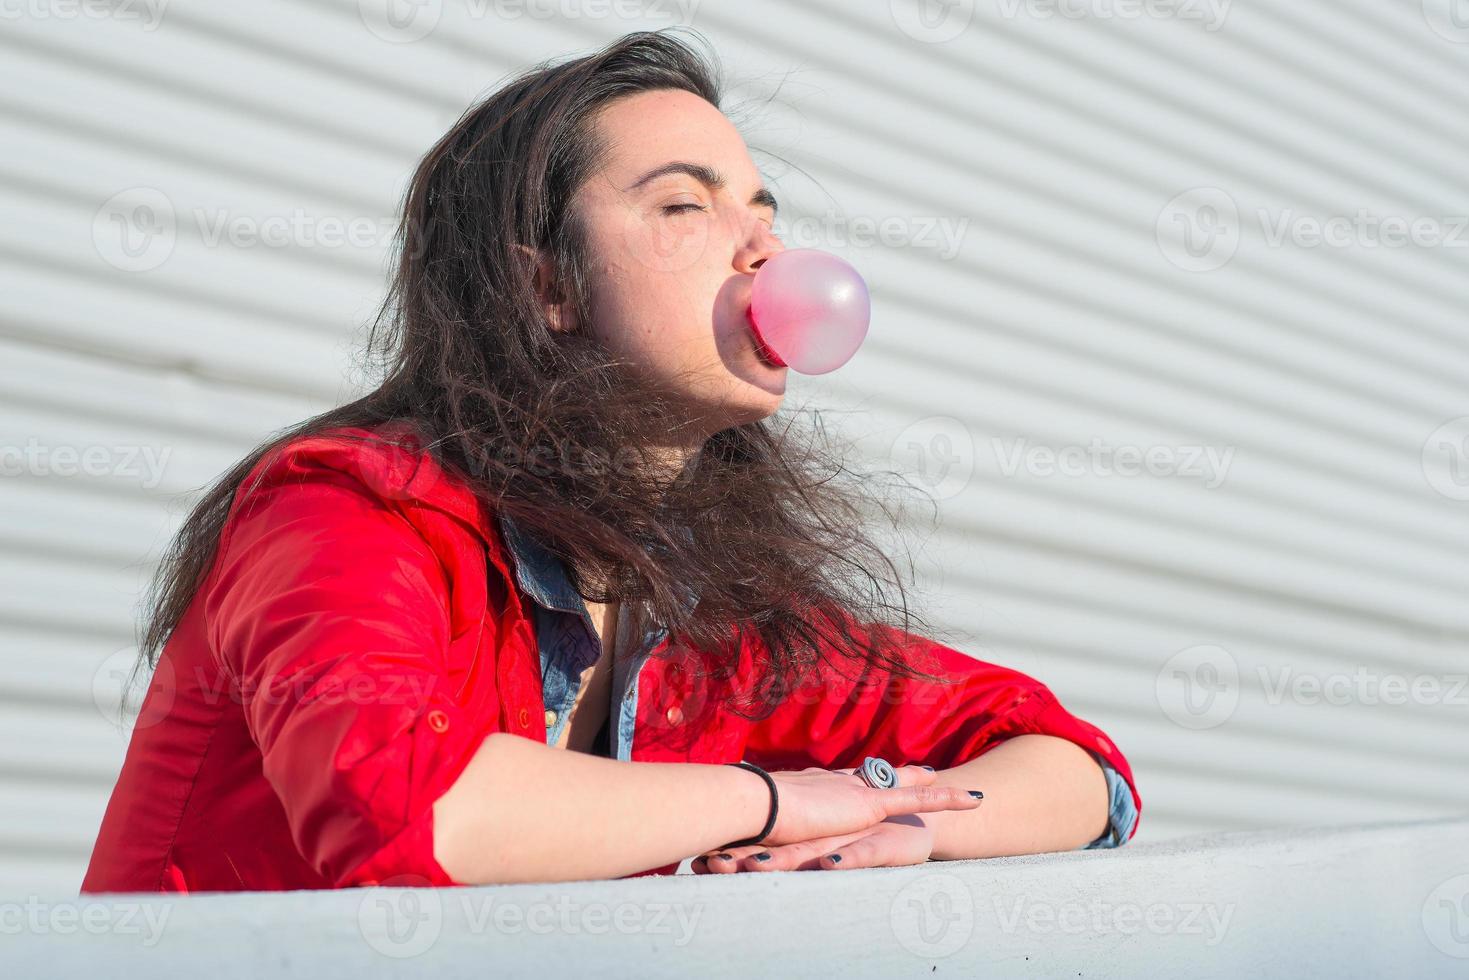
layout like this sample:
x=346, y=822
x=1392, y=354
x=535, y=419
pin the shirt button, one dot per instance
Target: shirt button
x=438, y=721
x=524, y=718
x=674, y=715
x=550, y=718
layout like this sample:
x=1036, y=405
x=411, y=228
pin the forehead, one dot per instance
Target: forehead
x=651, y=128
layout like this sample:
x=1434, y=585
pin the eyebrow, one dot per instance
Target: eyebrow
x=709, y=177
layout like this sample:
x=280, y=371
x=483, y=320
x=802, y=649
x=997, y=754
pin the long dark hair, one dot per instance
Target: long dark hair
x=765, y=524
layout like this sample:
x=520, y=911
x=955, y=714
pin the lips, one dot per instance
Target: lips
x=763, y=352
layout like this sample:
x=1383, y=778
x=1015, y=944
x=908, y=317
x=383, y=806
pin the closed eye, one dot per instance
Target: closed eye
x=676, y=208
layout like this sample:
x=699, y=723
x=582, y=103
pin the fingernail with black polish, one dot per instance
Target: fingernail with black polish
x=763, y=856
x=930, y=768
x=725, y=857
x=976, y=794
x=835, y=858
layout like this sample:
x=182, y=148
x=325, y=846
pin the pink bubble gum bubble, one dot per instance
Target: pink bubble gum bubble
x=809, y=310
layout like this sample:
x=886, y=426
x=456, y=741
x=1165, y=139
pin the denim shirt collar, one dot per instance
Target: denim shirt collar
x=543, y=576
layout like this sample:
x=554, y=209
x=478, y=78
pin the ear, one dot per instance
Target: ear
x=548, y=288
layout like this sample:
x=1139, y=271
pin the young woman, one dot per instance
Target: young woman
x=568, y=520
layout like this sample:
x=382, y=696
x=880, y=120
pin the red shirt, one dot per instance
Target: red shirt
x=359, y=635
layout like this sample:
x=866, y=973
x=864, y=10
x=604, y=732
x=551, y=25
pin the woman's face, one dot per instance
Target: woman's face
x=678, y=221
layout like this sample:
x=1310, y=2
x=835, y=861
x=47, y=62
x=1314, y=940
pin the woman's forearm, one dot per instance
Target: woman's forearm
x=522, y=811
x=1041, y=793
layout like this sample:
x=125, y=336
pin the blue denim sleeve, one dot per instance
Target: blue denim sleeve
x=1122, y=812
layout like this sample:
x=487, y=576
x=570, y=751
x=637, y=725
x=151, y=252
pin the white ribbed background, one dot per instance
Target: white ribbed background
x=1050, y=146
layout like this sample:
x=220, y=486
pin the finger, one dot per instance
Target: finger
x=800, y=856
x=876, y=850
x=913, y=775
x=916, y=775
x=727, y=861
x=864, y=853
x=927, y=799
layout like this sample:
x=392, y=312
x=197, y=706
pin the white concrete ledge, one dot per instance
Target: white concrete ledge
x=1380, y=900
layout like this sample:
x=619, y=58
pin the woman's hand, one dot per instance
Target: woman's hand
x=823, y=809
x=894, y=842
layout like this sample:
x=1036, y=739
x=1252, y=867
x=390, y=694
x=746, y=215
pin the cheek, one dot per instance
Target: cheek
x=655, y=307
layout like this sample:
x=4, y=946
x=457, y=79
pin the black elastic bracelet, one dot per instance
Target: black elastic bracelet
x=774, y=806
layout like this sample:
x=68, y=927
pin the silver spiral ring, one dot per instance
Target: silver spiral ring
x=878, y=773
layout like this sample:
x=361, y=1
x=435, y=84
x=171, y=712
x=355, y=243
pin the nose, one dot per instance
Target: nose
x=759, y=244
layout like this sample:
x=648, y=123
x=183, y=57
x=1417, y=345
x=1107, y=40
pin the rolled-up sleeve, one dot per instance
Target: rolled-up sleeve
x=1122, y=812
x=834, y=722
x=330, y=612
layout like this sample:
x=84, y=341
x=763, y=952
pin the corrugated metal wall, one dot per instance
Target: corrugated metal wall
x=1196, y=469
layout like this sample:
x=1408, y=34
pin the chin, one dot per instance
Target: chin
x=758, y=408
